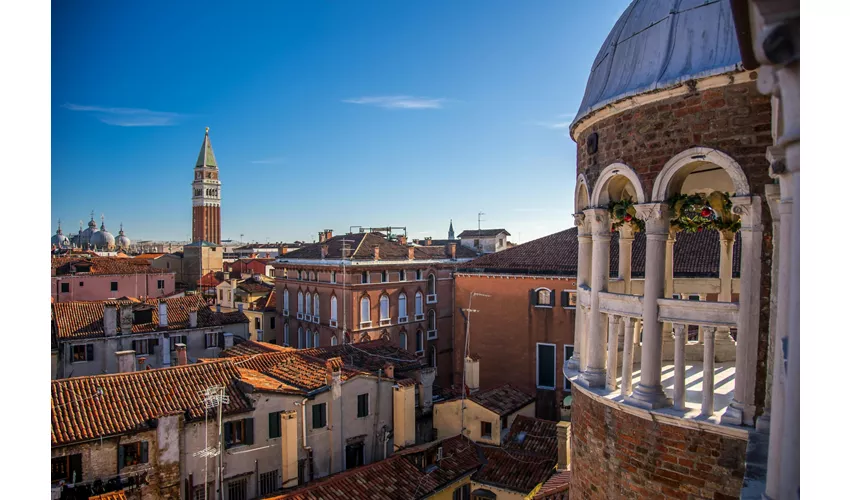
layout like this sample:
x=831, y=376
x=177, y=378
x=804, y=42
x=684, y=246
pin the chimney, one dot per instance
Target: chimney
x=428, y=241
x=324, y=250
x=228, y=340
x=389, y=370
x=329, y=233
x=563, y=432
x=377, y=251
x=329, y=368
x=321, y=237
x=110, y=319
x=164, y=350
x=402, y=240
x=453, y=250
x=283, y=250
x=193, y=318
x=404, y=413
x=163, y=314
x=239, y=306
x=182, y=357
x=471, y=372
x=410, y=250
x=126, y=361
x=126, y=319
x=289, y=448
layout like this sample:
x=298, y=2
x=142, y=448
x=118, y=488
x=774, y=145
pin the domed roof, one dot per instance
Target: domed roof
x=87, y=234
x=122, y=241
x=60, y=239
x=102, y=238
x=661, y=43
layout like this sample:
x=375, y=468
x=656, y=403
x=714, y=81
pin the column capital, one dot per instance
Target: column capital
x=656, y=216
x=679, y=330
x=600, y=223
x=578, y=219
x=627, y=232
x=613, y=319
x=629, y=321
x=709, y=331
x=748, y=208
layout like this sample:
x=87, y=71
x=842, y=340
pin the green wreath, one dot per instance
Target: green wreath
x=623, y=212
x=698, y=212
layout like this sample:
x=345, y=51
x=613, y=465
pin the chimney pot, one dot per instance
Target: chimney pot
x=110, y=319
x=126, y=361
x=402, y=240
x=410, y=251
x=453, y=250
x=182, y=357
x=126, y=320
x=389, y=370
x=563, y=432
x=377, y=251
x=324, y=250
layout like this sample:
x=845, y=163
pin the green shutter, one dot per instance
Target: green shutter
x=532, y=297
x=144, y=452
x=89, y=352
x=228, y=429
x=120, y=458
x=316, y=417
x=274, y=425
x=249, y=431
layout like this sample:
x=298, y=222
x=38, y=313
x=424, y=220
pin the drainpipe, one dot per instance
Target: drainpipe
x=304, y=446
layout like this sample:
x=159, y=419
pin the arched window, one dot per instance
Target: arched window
x=420, y=341
x=286, y=300
x=433, y=356
x=315, y=339
x=418, y=304
x=402, y=306
x=308, y=304
x=300, y=302
x=301, y=338
x=365, y=310
x=432, y=324
x=312, y=276
x=308, y=339
x=385, y=307
x=543, y=297
x=432, y=284
x=333, y=307
x=316, y=305
x=334, y=341
x=285, y=334
x=402, y=340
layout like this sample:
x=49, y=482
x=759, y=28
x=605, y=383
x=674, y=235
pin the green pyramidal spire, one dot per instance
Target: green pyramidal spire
x=206, y=158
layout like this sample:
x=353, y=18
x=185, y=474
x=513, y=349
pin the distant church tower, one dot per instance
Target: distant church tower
x=206, y=196
x=451, y=230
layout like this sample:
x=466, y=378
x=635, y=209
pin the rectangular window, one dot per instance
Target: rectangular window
x=271, y=323
x=333, y=276
x=364, y=277
x=402, y=275
x=274, y=425
x=362, y=405
x=199, y=494
x=177, y=339
x=82, y=284
x=160, y=284
x=211, y=340
x=239, y=432
x=568, y=299
x=385, y=276
x=82, y=353
x=461, y=493
x=132, y=454
x=354, y=455
x=418, y=275
x=68, y=468
x=113, y=286
x=144, y=347
x=545, y=366
x=568, y=353
x=268, y=482
x=319, y=416
x=221, y=295
x=66, y=287
x=486, y=430
x=237, y=489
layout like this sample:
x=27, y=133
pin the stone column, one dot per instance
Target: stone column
x=708, y=372
x=594, y=375
x=741, y=411
x=628, y=355
x=724, y=349
x=624, y=269
x=702, y=298
x=582, y=279
x=772, y=196
x=679, y=334
x=649, y=394
x=667, y=328
x=613, y=331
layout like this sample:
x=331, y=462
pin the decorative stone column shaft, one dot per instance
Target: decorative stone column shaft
x=594, y=375
x=613, y=332
x=679, y=333
x=772, y=196
x=708, y=372
x=585, y=244
x=741, y=411
x=649, y=393
x=624, y=265
x=667, y=328
x=724, y=344
x=628, y=355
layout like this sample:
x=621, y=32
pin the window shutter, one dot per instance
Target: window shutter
x=89, y=352
x=144, y=452
x=249, y=431
x=75, y=471
x=316, y=417
x=532, y=297
x=228, y=428
x=120, y=458
x=135, y=347
x=565, y=298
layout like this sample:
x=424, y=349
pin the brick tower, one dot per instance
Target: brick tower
x=206, y=196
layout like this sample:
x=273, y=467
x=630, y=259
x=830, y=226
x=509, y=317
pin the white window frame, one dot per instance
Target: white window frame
x=214, y=343
x=537, y=365
x=404, y=337
x=285, y=302
x=308, y=306
x=334, y=341
x=566, y=380
x=368, y=322
x=537, y=297
x=333, y=320
x=419, y=275
x=418, y=307
x=316, y=305
x=402, y=275
x=402, y=311
x=385, y=276
x=431, y=298
x=383, y=302
x=432, y=334
x=420, y=334
x=333, y=277
x=316, y=339
x=367, y=275
x=300, y=304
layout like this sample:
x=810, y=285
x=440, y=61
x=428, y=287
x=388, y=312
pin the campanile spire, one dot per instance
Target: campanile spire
x=206, y=196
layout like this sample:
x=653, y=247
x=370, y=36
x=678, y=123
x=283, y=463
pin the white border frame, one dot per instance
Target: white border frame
x=537, y=366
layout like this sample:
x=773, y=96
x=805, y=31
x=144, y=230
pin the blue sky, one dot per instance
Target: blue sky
x=321, y=114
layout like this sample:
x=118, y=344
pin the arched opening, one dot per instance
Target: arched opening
x=432, y=284
x=402, y=340
x=402, y=306
x=316, y=305
x=420, y=341
x=365, y=310
x=315, y=339
x=617, y=182
x=698, y=170
x=385, y=307
x=333, y=308
x=582, y=196
x=334, y=341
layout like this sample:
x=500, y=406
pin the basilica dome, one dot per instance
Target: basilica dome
x=660, y=44
x=103, y=239
x=86, y=235
x=59, y=239
x=122, y=242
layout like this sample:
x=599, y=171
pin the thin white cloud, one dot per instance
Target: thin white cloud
x=399, y=102
x=563, y=122
x=268, y=161
x=528, y=210
x=129, y=117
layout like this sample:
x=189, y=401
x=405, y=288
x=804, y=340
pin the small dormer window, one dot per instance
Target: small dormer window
x=142, y=316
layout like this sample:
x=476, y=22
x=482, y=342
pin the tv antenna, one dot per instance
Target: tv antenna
x=468, y=316
x=214, y=397
x=479, y=222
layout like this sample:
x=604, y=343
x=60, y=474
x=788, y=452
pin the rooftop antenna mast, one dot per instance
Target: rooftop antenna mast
x=343, y=250
x=479, y=222
x=213, y=397
x=469, y=310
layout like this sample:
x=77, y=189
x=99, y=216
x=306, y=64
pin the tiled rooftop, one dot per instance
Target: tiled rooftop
x=694, y=255
x=264, y=383
x=250, y=347
x=398, y=477
x=294, y=368
x=85, y=408
x=85, y=319
x=65, y=266
x=502, y=400
x=533, y=435
x=557, y=487
x=514, y=470
x=361, y=246
x=112, y=495
x=482, y=233
x=370, y=356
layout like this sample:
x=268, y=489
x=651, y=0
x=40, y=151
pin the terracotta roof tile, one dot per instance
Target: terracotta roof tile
x=112, y=495
x=503, y=400
x=293, y=367
x=473, y=233
x=370, y=356
x=362, y=247
x=85, y=319
x=533, y=435
x=65, y=266
x=396, y=477
x=84, y=408
x=557, y=487
x=250, y=347
x=264, y=383
x=694, y=255
x=514, y=470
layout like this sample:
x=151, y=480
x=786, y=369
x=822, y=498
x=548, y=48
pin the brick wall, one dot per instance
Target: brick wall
x=619, y=455
x=734, y=119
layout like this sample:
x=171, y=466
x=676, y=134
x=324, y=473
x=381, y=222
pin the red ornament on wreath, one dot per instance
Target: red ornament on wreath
x=628, y=218
x=699, y=229
x=706, y=212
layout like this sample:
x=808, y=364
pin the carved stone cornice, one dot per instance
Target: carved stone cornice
x=627, y=232
x=748, y=208
x=600, y=223
x=656, y=216
x=582, y=223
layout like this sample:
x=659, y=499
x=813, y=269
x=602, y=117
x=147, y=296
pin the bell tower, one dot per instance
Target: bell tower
x=206, y=196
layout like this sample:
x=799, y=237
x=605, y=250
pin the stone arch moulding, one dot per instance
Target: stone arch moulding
x=581, y=183
x=614, y=170
x=710, y=155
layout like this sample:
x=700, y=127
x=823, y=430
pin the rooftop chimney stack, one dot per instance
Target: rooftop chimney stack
x=410, y=251
x=377, y=251
x=126, y=319
x=193, y=319
x=329, y=233
x=126, y=361
x=563, y=432
x=321, y=236
x=471, y=367
x=228, y=340
x=402, y=240
x=453, y=250
x=182, y=357
x=110, y=319
x=389, y=370
x=163, y=314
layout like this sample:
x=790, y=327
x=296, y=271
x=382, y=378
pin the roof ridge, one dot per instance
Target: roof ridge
x=207, y=362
